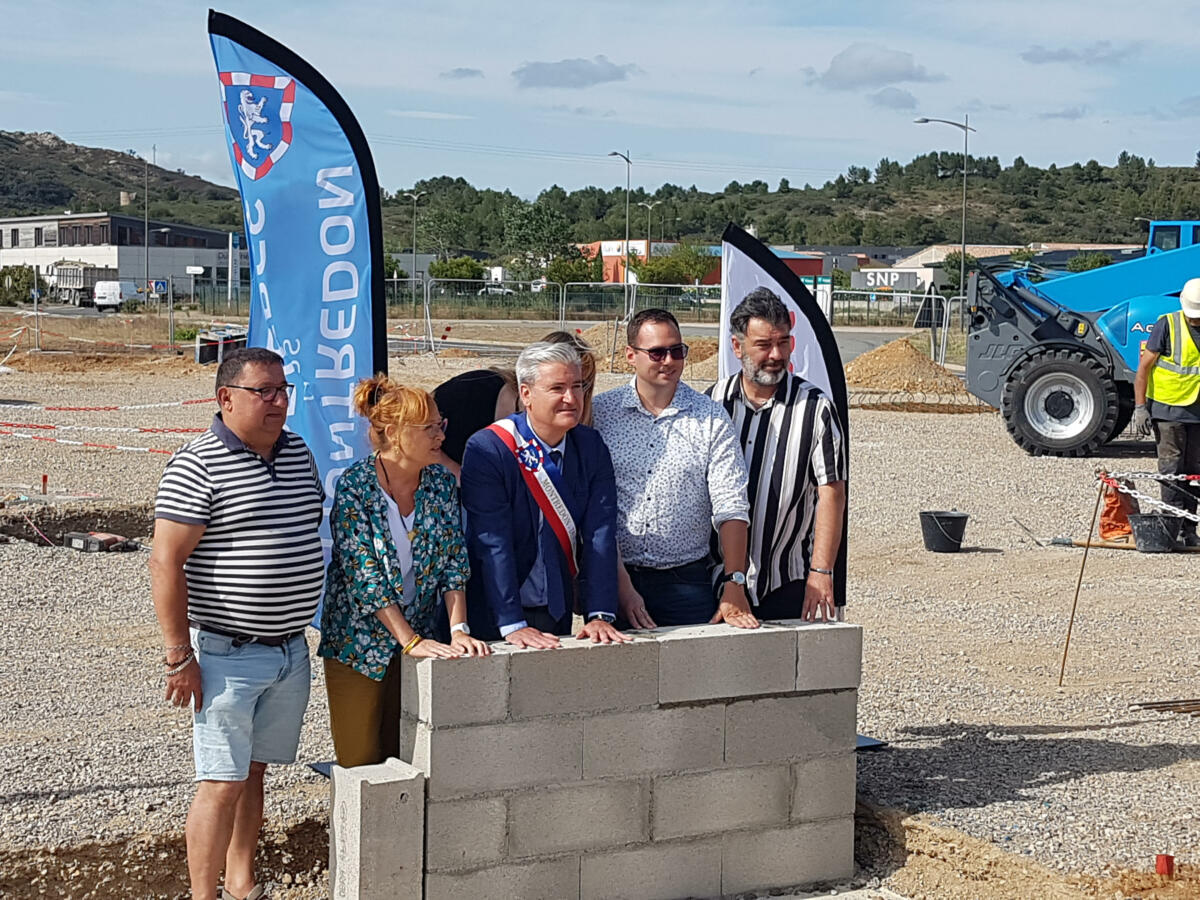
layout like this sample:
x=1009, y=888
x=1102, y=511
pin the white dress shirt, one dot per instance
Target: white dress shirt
x=680, y=474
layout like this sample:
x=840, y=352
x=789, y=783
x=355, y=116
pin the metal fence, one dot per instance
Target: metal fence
x=461, y=299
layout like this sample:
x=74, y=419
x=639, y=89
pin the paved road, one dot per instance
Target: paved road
x=852, y=341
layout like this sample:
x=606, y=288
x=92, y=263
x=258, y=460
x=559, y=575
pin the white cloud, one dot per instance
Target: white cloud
x=1100, y=53
x=1070, y=113
x=459, y=73
x=572, y=73
x=893, y=98
x=425, y=114
x=867, y=64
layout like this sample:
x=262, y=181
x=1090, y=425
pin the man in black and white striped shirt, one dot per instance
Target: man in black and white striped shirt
x=236, y=573
x=792, y=442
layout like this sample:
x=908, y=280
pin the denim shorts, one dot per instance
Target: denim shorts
x=253, y=704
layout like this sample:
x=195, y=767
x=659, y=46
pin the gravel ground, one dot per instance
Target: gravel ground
x=960, y=663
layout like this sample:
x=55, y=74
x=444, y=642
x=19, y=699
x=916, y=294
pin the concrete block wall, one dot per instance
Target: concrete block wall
x=693, y=762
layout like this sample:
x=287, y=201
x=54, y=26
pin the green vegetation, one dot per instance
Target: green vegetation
x=907, y=204
x=686, y=264
x=185, y=333
x=15, y=284
x=460, y=268
x=1086, y=261
x=42, y=173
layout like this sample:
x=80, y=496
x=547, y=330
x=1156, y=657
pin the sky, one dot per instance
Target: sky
x=522, y=95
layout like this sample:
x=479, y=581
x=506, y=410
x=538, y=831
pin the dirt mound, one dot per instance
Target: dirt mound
x=899, y=366
x=704, y=371
x=921, y=859
x=610, y=349
x=604, y=338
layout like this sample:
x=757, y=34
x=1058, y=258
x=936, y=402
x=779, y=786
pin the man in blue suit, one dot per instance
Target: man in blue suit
x=540, y=505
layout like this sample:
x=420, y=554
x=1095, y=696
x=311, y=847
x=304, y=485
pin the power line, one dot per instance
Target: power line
x=500, y=152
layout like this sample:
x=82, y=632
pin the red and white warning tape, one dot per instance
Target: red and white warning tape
x=106, y=408
x=106, y=428
x=89, y=444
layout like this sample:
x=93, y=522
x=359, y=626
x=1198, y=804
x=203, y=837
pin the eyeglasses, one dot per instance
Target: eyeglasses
x=432, y=427
x=266, y=394
x=658, y=354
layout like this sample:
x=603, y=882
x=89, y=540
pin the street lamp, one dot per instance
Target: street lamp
x=649, y=206
x=625, y=264
x=966, y=129
x=145, y=223
x=414, y=197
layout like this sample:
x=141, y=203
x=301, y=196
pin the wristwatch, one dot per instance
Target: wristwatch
x=738, y=578
x=603, y=617
x=461, y=626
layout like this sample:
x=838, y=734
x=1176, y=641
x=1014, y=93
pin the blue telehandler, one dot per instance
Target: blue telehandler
x=1057, y=355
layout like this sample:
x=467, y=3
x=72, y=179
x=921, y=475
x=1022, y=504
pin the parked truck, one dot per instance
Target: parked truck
x=1057, y=353
x=75, y=281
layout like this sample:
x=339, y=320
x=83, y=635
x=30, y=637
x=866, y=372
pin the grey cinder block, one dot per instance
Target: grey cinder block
x=444, y=692
x=677, y=739
x=724, y=800
x=653, y=872
x=772, y=729
x=376, y=844
x=477, y=759
x=465, y=834
x=606, y=814
x=824, y=788
x=708, y=662
x=583, y=678
x=552, y=879
x=784, y=857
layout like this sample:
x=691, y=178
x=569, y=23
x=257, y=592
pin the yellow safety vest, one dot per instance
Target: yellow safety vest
x=1175, y=379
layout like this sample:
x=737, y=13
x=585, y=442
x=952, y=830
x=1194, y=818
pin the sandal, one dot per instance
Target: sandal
x=258, y=892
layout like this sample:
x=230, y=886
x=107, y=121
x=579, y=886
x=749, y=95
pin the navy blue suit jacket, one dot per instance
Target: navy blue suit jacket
x=502, y=521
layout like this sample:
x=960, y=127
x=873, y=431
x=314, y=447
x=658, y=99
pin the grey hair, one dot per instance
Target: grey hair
x=535, y=356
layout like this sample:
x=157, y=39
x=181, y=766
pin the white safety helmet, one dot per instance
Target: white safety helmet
x=1189, y=298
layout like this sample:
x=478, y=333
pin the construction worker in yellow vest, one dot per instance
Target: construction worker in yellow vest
x=1167, y=393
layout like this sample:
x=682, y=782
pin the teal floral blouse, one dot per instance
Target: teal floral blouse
x=364, y=572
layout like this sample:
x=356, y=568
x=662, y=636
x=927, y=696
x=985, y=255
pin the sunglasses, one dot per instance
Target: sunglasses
x=658, y=354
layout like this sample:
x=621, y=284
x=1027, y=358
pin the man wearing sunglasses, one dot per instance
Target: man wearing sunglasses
x=680, y=475
x=235, y=573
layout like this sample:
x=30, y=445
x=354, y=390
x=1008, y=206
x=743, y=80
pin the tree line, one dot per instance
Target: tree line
x=900, y=204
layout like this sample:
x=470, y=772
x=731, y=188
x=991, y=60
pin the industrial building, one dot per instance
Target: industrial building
x=117, y=243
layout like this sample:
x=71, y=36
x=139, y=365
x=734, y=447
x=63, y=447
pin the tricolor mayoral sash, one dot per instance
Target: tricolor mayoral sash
x=544, y=480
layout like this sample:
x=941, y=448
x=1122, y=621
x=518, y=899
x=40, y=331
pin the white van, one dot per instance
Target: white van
x=111, y=294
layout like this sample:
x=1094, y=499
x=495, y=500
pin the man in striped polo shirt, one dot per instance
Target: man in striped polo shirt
x=792, y=442
x=236, y=573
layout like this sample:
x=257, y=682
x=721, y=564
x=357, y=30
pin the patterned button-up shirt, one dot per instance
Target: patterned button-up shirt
x=680, y=474
x=364, y=572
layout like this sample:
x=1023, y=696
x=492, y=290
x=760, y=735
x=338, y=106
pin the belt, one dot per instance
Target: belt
x=240, y=640
x=705, y=560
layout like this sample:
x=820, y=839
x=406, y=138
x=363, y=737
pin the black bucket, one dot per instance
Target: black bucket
x=943, y=531
x=1153, y=533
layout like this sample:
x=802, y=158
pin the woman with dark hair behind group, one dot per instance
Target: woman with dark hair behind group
x=398, y=553
x=475, y=399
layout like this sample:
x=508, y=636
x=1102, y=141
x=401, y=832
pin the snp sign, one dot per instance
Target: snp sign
x=884, y=280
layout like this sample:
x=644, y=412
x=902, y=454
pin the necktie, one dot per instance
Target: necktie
x=552, y=560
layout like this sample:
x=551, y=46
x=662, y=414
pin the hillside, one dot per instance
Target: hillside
x=43, y=173
x=895, y=203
